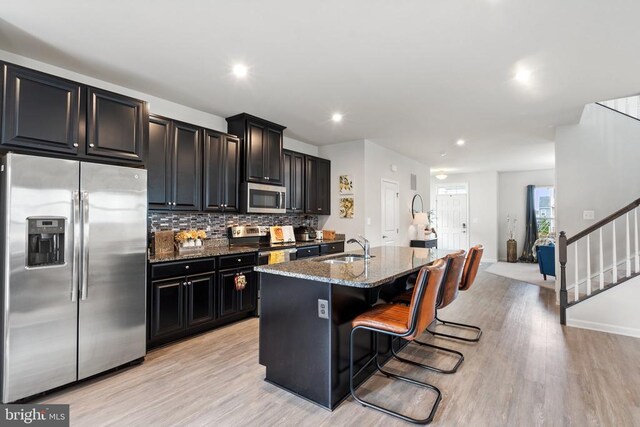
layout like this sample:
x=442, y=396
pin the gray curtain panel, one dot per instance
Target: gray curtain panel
x=531, y=231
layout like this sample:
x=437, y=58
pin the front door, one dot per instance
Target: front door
x=389, y=220
x=452, y=221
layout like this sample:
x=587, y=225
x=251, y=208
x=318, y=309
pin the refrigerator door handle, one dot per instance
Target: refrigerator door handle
x=84, y=291
x=75, y=268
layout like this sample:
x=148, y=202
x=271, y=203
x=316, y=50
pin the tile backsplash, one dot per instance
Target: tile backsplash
x=216, y=223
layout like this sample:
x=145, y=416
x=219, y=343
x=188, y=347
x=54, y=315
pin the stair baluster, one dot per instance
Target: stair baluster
x=588, y=264
x=628, y=241
x=576, y=286
x=601, y=262
x=635, y=215
x=614, y=272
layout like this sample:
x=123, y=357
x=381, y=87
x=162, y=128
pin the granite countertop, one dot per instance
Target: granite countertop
x=213, y=251
x=388, y=263
x=207, y=252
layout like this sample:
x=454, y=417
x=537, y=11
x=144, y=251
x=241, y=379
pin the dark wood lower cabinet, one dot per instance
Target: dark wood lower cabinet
x=201, y=299
x=167, y=309
x=186, y=305
x=232, y=300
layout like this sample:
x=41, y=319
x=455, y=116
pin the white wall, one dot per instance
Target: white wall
x=378, y=162
x=157, y=105
x=368, y=163
x=615, y=310
x=597, y=169
x=346, y=159
x=483, y=209
x=512, y=200
x=299, y=146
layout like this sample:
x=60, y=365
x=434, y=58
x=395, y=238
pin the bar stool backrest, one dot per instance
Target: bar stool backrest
x=451, y=280
x=471, y=267
x=422, y=310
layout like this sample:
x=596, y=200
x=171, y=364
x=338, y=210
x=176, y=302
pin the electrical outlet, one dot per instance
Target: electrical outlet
x=588, y=215
x=323, y=309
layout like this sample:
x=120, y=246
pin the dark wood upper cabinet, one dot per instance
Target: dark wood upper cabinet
x=324, y=187
x=294, y=180
x=318, y=186
x=255, y=152
x=231, y=175
x=262, y=152
x=42, y=112
x=186, y=167
x=159, y=162
x=117, y=126
x=221, y=171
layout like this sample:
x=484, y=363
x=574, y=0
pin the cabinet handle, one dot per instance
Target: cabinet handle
x=266, y=178
x=319, y=209
x=186, y=267
x=92, y=145
x=75, y=144
x=184, y=283
x=174, y=203
x=239, y=259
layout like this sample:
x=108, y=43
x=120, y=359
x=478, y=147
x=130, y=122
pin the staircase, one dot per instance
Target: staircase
x=603, y=256
x=629, y=106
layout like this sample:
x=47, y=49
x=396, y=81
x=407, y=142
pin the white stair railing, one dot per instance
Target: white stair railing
x=629, y=233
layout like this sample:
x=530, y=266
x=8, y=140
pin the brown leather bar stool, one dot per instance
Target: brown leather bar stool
x=401, y=321
x=454, y=264
x=469, y=273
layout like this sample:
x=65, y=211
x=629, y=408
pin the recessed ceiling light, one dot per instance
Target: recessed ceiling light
x=337, y=117
x=441, y=175
x=240, y=70
x=523, y=76
x=460, y=142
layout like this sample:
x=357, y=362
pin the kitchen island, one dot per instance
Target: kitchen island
x=306, y=314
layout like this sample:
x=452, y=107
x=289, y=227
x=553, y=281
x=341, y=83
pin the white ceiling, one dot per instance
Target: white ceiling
x=412, y=75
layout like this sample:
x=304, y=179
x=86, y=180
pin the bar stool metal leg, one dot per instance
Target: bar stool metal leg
x=453, y=370
x=388, y=375
x=458, y=325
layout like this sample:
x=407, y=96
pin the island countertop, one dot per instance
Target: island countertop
x=387, y=264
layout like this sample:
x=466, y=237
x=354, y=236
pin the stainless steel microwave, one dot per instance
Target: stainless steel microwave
x=262, y=198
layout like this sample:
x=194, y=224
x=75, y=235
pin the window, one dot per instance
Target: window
x=545, y=202
x=452, y=189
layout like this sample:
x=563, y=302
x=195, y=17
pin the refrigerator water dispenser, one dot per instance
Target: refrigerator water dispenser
x=45, y=246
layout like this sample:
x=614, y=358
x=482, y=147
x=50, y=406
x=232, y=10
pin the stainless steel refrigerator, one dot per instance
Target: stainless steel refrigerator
x=73, y=271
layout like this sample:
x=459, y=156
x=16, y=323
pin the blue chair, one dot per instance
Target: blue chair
x=547, y=260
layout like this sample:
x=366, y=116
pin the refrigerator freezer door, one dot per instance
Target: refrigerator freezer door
x=40, y=312
x=113, y=279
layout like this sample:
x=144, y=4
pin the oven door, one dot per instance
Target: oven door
x=276, y=256
x=261, y=198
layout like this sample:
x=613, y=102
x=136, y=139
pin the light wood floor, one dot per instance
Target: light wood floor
x=527, y=370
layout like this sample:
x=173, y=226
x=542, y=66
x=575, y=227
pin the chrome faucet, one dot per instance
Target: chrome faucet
x=365, y=247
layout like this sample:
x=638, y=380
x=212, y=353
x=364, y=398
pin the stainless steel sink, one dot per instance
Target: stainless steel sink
x=344, y=259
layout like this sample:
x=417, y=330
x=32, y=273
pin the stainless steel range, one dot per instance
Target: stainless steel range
x=259, y=237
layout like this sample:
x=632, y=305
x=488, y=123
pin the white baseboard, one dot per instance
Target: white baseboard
x=603, y=327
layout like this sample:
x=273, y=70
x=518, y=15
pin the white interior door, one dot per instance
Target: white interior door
x=390, y=205
x=453, y=224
